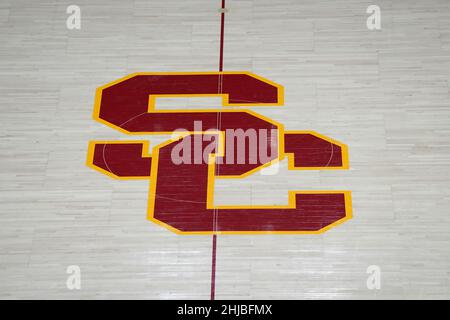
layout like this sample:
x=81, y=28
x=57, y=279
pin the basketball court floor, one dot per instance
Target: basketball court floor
x=384, y=94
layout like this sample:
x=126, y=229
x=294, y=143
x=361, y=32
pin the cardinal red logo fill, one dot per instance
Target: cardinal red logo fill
x=214, y=143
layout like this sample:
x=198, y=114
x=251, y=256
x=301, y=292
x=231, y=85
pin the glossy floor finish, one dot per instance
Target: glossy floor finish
x=383, y=93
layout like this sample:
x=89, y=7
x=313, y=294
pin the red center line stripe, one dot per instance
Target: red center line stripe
x=214, y=238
